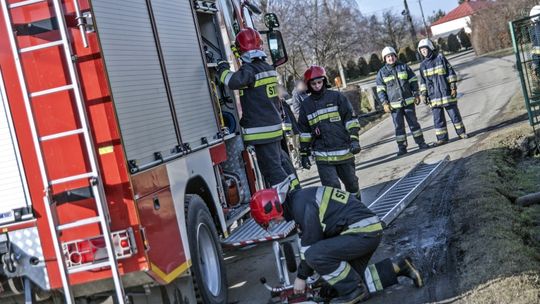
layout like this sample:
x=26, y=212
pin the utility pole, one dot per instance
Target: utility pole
x=424, y=19
x=407, y=15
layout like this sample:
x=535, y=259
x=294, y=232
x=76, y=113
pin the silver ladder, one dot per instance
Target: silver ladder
x=394, y=200
x=93, y=176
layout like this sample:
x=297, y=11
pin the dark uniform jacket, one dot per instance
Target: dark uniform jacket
x=437, y=76
x=325, y=212
x=327, y=127
x=257, y=82
x=397, y=84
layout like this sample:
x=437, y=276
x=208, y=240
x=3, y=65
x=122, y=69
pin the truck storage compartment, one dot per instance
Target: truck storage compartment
x=157, y=76
x=13, y=190
x=186, y=71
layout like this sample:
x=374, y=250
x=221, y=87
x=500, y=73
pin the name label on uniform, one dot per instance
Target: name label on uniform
x=334, y=119
x=340, y=196
x=271, y=90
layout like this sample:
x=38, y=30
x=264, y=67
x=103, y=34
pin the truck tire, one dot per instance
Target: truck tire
x=290, y=257
x=208, y=270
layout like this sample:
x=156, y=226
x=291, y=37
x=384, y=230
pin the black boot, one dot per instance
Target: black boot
x=406, y=268
x=423, y=146
x=356, y=296
x=440, y=143
x=402, y=150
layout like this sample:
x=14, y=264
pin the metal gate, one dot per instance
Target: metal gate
x=526, y=41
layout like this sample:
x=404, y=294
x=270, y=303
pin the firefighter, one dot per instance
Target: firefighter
x=438, y=89
x=535, y=41
x=261, y=121
x=338, y=236
x=397, y=88
x=329, y=131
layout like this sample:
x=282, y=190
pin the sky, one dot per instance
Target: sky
x=368, y=7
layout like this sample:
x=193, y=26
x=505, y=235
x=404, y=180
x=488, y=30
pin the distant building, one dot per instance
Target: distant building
x=458, y=19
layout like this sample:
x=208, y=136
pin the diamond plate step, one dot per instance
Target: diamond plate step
x=250, y=233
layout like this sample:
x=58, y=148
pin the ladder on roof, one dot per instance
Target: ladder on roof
x=92, y=176
x=394, y=200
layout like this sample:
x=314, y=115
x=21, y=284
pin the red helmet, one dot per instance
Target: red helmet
x=248, y=40
x=265, y=206
x=313, y=72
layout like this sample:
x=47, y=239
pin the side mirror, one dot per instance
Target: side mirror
x=277, y=48
x=271, y=21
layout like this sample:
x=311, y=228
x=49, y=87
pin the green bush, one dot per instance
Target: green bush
x=362, y=66
x=464, y=39
x=411, y=55
x=375, y=63
x=453, y=43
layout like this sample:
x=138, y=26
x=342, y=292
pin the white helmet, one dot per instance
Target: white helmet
x=426, y=43
x=534, y=12
x=387, y=51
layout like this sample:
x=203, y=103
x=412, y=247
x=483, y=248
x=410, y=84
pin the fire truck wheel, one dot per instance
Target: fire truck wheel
x=209, y=276
x=290, y=257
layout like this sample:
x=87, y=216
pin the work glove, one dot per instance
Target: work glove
x=223, y=65
x=425, y=99
x=299, y=286
x=417, y=100
x=355, y=147
x=306, y=164
x=387, y=108
x=453, y=92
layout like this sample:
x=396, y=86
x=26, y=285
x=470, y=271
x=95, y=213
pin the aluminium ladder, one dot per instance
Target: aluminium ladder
x=93, y=176
x=394, y=200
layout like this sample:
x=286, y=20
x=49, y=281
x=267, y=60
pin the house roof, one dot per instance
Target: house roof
x=465, y=9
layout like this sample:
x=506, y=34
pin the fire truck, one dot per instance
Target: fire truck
x=122, y=165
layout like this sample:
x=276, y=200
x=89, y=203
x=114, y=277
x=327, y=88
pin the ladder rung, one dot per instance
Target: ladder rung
x=79, y=223
x=40, y=46
x=72, y=178
x=62, y=134
x=106, y=263
x=50, y=91
x=23, y=3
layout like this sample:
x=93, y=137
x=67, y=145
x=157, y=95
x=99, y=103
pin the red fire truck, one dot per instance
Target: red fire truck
x=122, y=167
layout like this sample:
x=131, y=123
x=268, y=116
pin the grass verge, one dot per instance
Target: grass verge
x=496, y=244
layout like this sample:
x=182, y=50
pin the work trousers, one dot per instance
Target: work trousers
x=439, y=120
x=275, y=164
x=330, y=174
x=399, y=116
x=343, y=262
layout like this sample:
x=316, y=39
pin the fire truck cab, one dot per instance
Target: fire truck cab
x=122, y=165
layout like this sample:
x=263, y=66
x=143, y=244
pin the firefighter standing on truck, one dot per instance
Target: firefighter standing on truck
x=438, y=88
x=397, y=88
x=329, y=131
x=338, y=236
x=261, y=121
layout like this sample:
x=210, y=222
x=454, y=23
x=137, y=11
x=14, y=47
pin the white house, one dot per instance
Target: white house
x=457, y=19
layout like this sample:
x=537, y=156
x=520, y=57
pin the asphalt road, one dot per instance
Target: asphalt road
x=486, y=86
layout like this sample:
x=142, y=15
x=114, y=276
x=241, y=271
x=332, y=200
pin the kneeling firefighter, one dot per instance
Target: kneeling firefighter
x=338, y=236
x=329, y=131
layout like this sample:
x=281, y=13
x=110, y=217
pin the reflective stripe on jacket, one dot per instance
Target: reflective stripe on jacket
x=327, y=126
x=397, y=85
x=257, y=82
x=436, y=77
